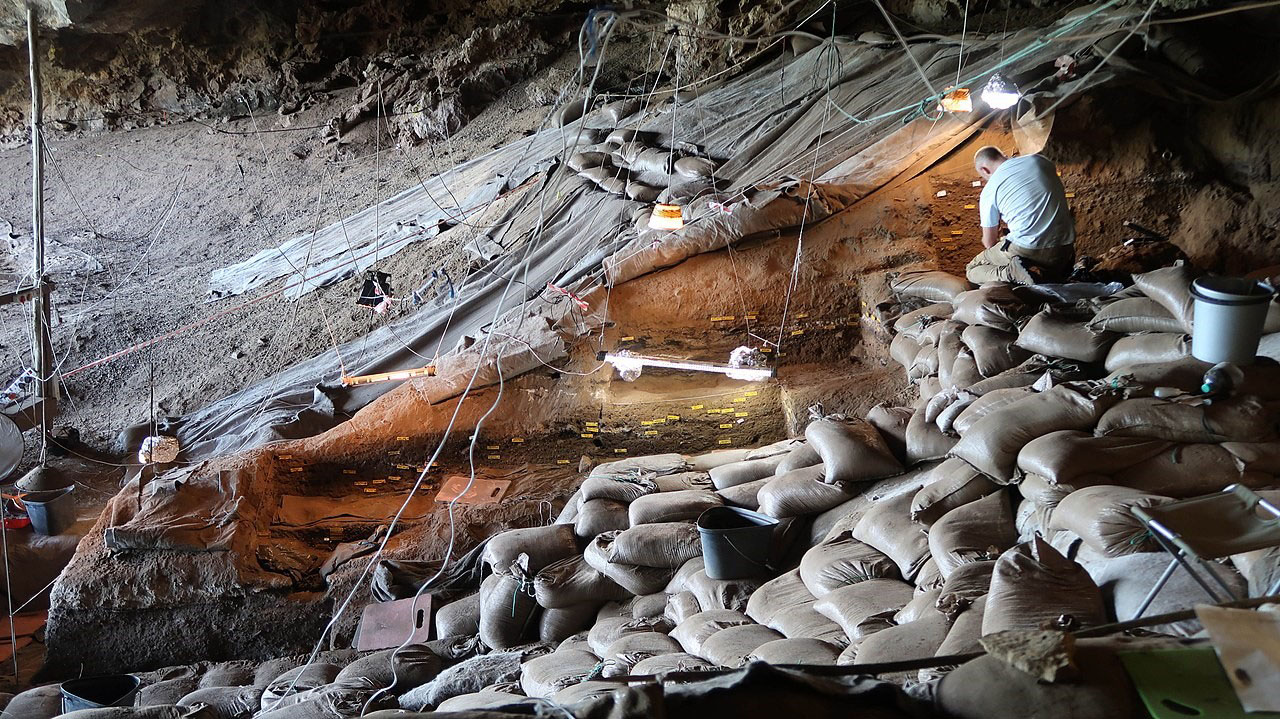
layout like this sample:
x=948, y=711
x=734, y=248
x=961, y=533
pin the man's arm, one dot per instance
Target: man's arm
x=990, y=236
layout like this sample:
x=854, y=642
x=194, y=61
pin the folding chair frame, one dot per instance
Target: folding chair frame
x=1166, y=538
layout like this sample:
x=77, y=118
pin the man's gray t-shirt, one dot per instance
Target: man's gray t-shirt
x=1026, y=193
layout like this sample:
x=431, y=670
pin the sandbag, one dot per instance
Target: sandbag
x=842, y=561
x=970, y=532
x=866, y=607
x=800, y=456
x=801, y=492
x=921, y=605
x=903, y=350
x=801, y=651
x=949, y=346
x=661, y=544
x=682, y=506
x=38, y=703
x=620, y=658
x=1039, y=491
x=507, y=611
x=695, y=630
x=731, y=475
x=487, y=699
x=986, y=404
x=681, y=606
x=467, y=677
x=851, y=451
x=965, y=631
x=607, y=631
x=234, y=673
x=226, y=702
x=746, y=496
x=1103, y=517
x=459, y=618
x=1126, y=581
x=1056, y=336
x=1033, y=585
x=925, y=441
x=1240, y=418
x=1170, y=287
x=932, y=285
x=930, y=577
x=680, y=582
x=988, y=687
x=653, y=464
x=696, y=168
x=1074, y=459
x=993, y=305
x=951, y=484
x=722, y=593
x=572, y=581
x=924, y=365
x=913, y=640
x=711, y=460
x=600, y=515
x=804, y=622
x=731, y=647
x=557, y=625
x=580, y=161
x=1189, y=470
x=966, y=583
x=1030, y=372
x=891, y=422
x=776, y=595
x=650, y=605
x=914, y=322
x=298, y=680
x=927, y=387
x=165, y=693
x=992, y=443
x=1133, y=315
x=964, y=371
x=887, y=526
x=398, y=669
x=1148, y=349
x=994, y=351
x=544, y=545
x=681, y=481
x=620, y=489
x=677, y=662
x=618, y=110
x=545, y=675
x=631, y=577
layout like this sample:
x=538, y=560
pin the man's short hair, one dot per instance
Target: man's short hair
x=987, y=155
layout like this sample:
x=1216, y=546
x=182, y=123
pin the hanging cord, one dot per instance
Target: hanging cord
x=905, y=48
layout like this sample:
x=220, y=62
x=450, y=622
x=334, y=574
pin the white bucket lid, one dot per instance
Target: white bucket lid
x=1230, y=290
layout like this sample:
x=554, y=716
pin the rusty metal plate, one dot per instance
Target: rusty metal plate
x=482, y=491
x=384, y=625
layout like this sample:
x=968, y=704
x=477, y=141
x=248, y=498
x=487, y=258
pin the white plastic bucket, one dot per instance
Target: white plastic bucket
x=1229, y=314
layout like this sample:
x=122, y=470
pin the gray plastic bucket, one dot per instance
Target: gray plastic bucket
x=51, y=511
x=114, y=690
x=735, y=542
x=1228, y=320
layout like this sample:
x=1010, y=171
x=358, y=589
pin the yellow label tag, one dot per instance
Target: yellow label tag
x=404, y=466
x=726, y=440
x=392, y=477
x=361, y=483
x=766, y=350
x=828, y=327
x=1070, y=195
x=796, y=332
x=562, y=461
x=751, y=316
x=740, y=414
x=722, y=318
x=650, y=432
x=394, y=453
x=673, y=418
x=739, y=400
x=660, y=420
x=379, y=481
x=285, y=456
x=646, y=423
x=713, y=411
x=801, y=315
x=517, y=440
x=728, y=410
x=494, y=456
x=620, y=450
x=348, y=471
x=592, y=424
x=402, y=438
x=587, y=435
x=695, y=406
x=371, y=490
x=628, y=338
x=957, y=232
x=435, y=464
x=752, y=393
x=296, y=470
x=726, y=426
x=492, y=446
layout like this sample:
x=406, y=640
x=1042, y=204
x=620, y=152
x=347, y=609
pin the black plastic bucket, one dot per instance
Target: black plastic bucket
x=115, y=690
x=735, y=542
x=51, y=511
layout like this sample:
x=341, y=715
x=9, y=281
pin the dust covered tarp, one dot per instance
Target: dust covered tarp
x=847, y=113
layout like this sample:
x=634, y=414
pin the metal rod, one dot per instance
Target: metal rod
x=43, y=349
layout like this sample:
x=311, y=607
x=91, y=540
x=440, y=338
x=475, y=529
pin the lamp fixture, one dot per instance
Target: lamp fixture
x=403, y=374
x=630, y=364
x=956, y=100
x=666, y=217
x=1000, y=92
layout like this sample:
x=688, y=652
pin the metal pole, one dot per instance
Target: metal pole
x=43, y=349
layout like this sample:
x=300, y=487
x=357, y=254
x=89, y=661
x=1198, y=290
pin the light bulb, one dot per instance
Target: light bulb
x=1000, y=92
x=666, y=217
